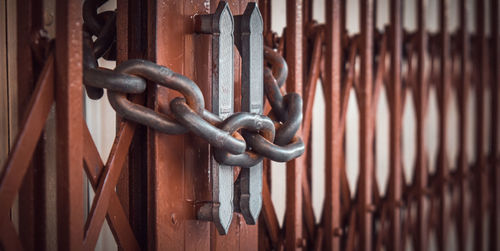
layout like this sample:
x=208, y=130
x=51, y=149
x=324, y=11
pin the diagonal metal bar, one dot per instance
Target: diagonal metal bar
x=351, y=233
x=107, y=183
x=346, y=202
x=9, y=240
x=270, y=214
x=379, y=77
x=307, y=205
x=310, y=90
x=381, y=232
x=347, y=86
x=116, y=216
x=318, y=241
x=20, y=157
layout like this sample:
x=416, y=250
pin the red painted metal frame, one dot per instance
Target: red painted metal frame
x=176, y=179
x=494, y=243
x=396, y=178
x=443, y=88
x=463, y=166
x=366, y=174
x=421, y=92
x=69, y=107
x=333, y=217
x=294, y=57
x=20, y=157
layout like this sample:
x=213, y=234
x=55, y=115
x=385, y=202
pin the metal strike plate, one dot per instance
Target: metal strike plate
x=250, y=44
x=221, y=26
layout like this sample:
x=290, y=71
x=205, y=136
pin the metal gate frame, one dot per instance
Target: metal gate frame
x=174, y=181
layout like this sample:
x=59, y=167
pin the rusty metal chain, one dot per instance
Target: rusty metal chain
x=243, y=139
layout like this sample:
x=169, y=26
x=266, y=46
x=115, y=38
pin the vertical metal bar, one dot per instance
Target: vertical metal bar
x=395, y=180
x=333, y=147
x=365, y=180
x=4, y=90
x=265, y=9
x=421, y=168
x=221, y=207
x=294, y=40
x=480, y=165
x=307, y=51
x=31, y=208
x=463, y=92
x=130, y=43
x=69, y=105
x=495, y=106
x=249, y=40
x=443, y=106
x=247, y=234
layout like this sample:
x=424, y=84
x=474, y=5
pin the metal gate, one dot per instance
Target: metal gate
x=154, y=186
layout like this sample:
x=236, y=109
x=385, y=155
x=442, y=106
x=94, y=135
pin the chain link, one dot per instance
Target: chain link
x=243, y=139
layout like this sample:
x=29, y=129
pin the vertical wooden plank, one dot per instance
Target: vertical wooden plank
x=463, y=91
x=365, y=180
x=480, y=165
x=294, y=171
x=395, y=178
x=495, y=106
x=68, y=77
x=443, y=92
x=421, y=168
x=333, y=137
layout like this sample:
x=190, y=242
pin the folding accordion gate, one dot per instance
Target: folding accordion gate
x=164, y=189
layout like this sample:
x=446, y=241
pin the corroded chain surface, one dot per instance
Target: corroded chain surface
x=243, y=139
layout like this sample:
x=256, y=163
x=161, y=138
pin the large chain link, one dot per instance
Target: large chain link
x=243, y=139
